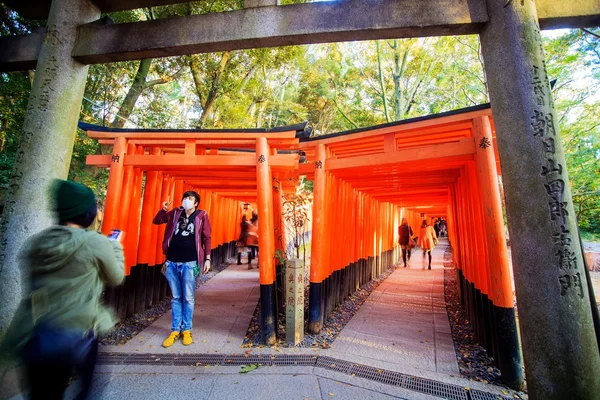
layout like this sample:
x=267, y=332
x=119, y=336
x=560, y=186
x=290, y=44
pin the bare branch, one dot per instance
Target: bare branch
x=591, y=33
x=165, y=79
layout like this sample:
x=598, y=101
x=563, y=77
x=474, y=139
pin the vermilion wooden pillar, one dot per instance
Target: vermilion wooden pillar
x=461, y=230
x=160, y=231
x=178, y=194
x=277, y=216
x=469, y=246
x=317, y=264
x=134, y=220
x=509, y=356
x=265, y=237
x=115, y=183
x=157, y=205
x=474, y=266
x=128, y=190
x=271, y=227
x=479, y=246
x=148, y=213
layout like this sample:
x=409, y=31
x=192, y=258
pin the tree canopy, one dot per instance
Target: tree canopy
x=334, y=87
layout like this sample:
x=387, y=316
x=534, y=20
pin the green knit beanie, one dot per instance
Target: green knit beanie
x=71, y=199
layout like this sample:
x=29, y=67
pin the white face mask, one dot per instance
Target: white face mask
x=187, y=204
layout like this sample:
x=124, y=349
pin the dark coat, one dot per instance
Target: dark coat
x=405, y=232
x=203, y=230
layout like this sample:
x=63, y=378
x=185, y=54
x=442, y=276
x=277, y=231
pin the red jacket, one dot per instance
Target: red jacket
x=202, y=230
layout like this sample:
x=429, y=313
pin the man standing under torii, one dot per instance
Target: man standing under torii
x=186, y=245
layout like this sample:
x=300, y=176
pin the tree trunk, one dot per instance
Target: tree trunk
x=197, y=77
x=399, y=73
x=248, y=76
x=420, y=79
x=136, y=89
x=383, y=96
x=215, y=85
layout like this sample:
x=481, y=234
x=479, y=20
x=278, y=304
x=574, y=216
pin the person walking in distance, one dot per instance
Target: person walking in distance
x=405, y=234
x=186, y=245
x=241, y=242
x=252, y=239
x=436, y=227
x=427, y=240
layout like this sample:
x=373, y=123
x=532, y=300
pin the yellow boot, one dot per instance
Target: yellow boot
x=187, y=338
x=171, y=339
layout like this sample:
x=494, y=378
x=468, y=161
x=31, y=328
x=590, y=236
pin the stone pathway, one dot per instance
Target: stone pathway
x=223, y=308
x=403, y=326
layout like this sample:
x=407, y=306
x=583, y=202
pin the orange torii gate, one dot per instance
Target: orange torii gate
x=365, y=182
x=227, y=169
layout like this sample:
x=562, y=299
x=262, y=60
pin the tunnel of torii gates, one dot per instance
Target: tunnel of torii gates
x=365, y=182
x=560, y=340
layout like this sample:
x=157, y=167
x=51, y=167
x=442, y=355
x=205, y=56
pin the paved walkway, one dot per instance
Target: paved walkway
x=402, y=327
x=223, y=309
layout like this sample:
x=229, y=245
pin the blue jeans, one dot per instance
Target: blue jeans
x=181, y=280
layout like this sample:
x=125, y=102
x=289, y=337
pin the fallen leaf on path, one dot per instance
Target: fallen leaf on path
x=247, y=368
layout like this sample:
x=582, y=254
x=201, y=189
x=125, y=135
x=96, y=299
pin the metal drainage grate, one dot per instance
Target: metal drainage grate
x=111, y=359
x=294, y=359
x=422, y=385
x=247, y=359
x=334, y=364
x=479, y=395
x=376, y=374
x=435, y=388
x=160, y=359
x=197, y=359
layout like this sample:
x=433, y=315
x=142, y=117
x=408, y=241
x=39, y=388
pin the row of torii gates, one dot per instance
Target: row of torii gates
x=560, y=341
x=365, y=182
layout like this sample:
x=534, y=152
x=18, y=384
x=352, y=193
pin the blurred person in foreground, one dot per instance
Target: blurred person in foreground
x=55, y=329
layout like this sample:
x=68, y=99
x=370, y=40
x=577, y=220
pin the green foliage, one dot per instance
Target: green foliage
x=14, y=93
x=12, y=23
x=280, y=256
x=335, y=87
x=573, y=60
x=350, y=85
x=296, y=215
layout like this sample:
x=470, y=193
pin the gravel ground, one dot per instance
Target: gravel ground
x=127, y=329
x=334, y=324
x=473, y=361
